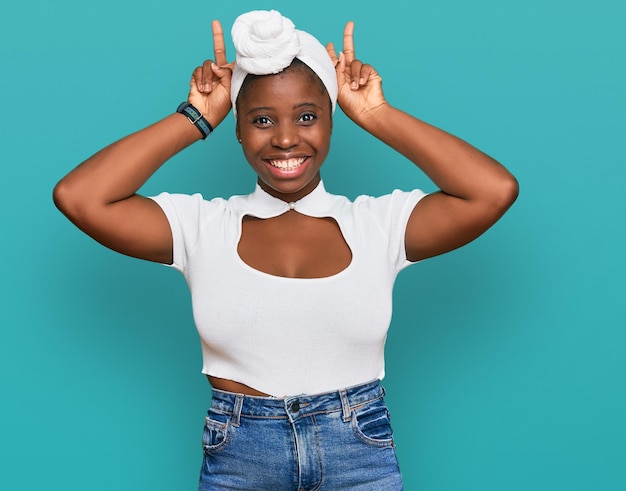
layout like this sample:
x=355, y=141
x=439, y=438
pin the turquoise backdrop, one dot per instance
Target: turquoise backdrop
x=506, y=359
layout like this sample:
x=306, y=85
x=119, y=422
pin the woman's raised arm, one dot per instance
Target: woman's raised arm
x=475, y=190
x=99, y=196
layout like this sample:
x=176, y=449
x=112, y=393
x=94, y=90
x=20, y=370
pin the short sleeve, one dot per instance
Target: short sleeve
x=391, y=214
x=188, y=215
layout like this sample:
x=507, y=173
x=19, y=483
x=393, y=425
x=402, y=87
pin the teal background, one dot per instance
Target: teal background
x=505, y=360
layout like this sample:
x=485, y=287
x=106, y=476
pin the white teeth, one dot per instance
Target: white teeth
x=288, y=164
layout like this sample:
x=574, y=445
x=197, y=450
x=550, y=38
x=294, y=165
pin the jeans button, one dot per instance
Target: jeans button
x=294, y=407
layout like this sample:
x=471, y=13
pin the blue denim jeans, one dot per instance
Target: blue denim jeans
x=334, y=441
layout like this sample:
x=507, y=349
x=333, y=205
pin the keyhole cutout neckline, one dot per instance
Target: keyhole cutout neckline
x=294, y=241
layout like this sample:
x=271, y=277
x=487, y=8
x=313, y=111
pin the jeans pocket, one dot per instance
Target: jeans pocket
x=370, y=424
x=217, y=431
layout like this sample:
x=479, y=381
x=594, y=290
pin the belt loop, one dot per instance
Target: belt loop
x=345, y=405
x=237, y=409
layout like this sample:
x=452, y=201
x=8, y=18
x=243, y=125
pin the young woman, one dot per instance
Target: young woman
x=291, y=286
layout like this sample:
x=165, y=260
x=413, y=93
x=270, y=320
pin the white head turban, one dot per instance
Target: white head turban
x=266, y=43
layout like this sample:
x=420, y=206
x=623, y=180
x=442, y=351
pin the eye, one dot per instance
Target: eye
x=308, y=117
x=262, y=121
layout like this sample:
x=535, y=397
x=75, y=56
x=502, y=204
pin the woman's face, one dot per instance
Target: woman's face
x=284, y=122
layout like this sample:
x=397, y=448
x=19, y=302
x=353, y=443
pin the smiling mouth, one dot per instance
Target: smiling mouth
x=287, y=164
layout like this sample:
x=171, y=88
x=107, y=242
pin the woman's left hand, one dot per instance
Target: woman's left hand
x=360, y=86
x=209, y=88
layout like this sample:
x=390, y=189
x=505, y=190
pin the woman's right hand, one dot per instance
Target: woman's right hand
x=100, y=195
x=209, y=88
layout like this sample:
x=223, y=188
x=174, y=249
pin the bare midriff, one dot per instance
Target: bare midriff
x=235, y=387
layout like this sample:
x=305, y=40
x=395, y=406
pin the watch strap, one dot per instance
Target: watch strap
x=196, y=118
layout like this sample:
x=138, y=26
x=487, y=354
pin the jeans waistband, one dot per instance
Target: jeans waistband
x=294, y=407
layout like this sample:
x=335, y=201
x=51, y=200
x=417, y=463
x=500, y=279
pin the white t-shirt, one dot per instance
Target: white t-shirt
x=290, y=336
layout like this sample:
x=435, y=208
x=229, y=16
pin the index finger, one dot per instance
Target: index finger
x=348, y=42
x=219, y=49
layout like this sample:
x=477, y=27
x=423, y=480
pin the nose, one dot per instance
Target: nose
x=285, y=136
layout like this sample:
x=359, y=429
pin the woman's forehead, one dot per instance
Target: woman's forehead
x=285, y=88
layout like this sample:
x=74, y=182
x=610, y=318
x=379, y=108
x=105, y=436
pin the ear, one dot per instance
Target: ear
x=237, y=134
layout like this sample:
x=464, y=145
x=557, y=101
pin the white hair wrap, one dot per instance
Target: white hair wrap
x=266, y=43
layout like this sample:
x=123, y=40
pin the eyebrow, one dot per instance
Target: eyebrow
x=297, y=106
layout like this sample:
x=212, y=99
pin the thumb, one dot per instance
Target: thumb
x=340, y=69
x=224, y=73
x=330, y=49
